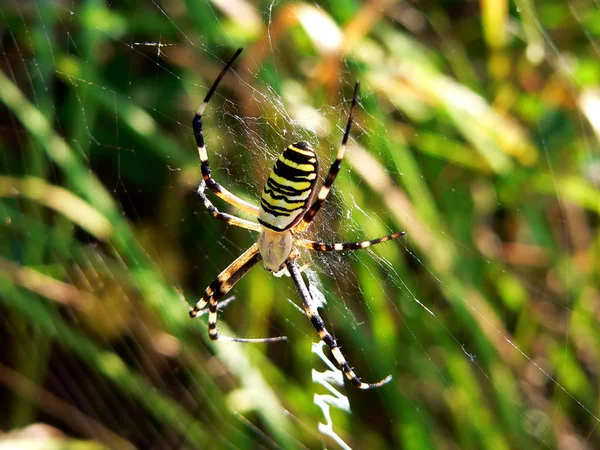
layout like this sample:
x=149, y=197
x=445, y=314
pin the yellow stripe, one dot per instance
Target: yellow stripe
x=266, y=197
x=303, y=167
x=297, y=185
x=302, y=152
x=288, y=197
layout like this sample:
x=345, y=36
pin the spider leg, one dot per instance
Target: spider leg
x=325, y=336
x=341, y=246
x=220, y=287
x=333, y=170
x=222, y=305
x=286, y=272
x=219, y=190
x=231, y=220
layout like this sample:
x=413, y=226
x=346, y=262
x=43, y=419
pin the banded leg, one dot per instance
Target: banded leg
x=231, y=220
x=317, y=322
x=286, y=272
x=220, y=287
x=220, y=307
x=219, y=190
x=333, y=170
x=341, y=246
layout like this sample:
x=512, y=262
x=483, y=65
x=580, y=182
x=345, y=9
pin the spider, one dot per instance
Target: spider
x=284, y=213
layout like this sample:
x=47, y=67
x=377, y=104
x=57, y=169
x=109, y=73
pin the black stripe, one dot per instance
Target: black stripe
x=276, y=187
x=285, y=196
x=351, y=115
x=333, y=171
x=279, y=208
x=317, y=322
x=197, y=126
x=270, y=226
x=298, y=157
x=302, y=146
x=329, y=341
x=358, y=382
x=213, y=185
x=215, y=286
x=272, y=211
x=292, y=174
x=213, y=88
x=346, y=367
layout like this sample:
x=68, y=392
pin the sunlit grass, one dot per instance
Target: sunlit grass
x=476, y=134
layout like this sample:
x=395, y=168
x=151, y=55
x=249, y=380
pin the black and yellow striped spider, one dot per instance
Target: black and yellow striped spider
x=285, y=212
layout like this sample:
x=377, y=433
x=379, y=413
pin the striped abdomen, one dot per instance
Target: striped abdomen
x=289, y=188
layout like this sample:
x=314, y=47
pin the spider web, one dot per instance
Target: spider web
x=485, y=314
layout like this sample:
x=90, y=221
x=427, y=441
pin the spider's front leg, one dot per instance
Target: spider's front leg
x=325, y=336
x=228, y=218
x=333, y=170
x=215, y=187
x=220, y=287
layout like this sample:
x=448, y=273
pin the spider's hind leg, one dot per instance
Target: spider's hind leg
x=220, y=287
x=286, y=272
x=325, y=336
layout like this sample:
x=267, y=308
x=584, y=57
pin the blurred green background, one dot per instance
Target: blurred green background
x=477, y=133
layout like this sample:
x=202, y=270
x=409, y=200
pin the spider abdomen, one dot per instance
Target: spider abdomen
x=289, y=188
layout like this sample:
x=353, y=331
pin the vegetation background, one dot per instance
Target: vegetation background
x=477, y=133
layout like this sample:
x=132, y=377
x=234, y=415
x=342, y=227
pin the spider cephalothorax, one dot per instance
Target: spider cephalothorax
x=285, y=211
